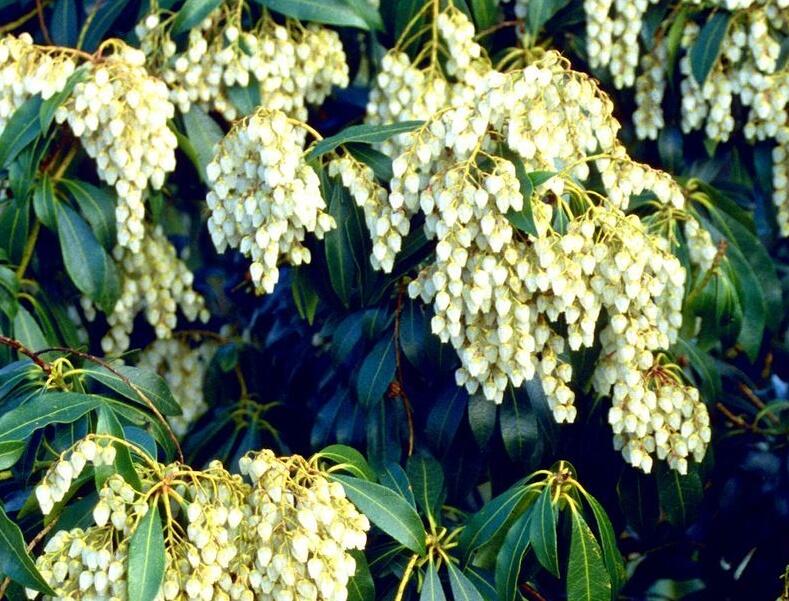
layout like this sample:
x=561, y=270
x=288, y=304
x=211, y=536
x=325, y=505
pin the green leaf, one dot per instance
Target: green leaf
x=87, y=263
x=376, y=372
x=9, y=288
x=539, y=12
x=44, y=202
x=343, y=271
x=45, y=409
x=393, y=476
x=638, y=500
x=377, y=161
x=481, y=418
x=707, y=47
x=427, y=479
x=108, y=423
x=151, y=384
x=14, y=228
x=543, y=532
x=711, y=385
x=680, y=496
x=352, y=460
x=368, y=134
x=245, y=98
x=98, y=207
x=523, y=219
x=518, y=425
x=104, y=15
x=28, y=332
x=673, y=40
x=431, y=587
x=488, y=521
x=587, y=578
x=20, y=130
x=63, y=23
x=192, y=13
x=462, y=588
x=10, y=452
x=15, y=561
x=146, y=558
x=485, y=13
x=330, y=12
x=304, y=294
x=361, y=586
x=611, y=555
x=204, y=133
x=510, y=557
x=368, y=12
x=387, y=510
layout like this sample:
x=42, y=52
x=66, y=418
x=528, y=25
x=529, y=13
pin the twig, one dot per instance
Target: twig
x=31, y=545
x=735, y=419
x=42, y=23
x=531, y=592
x=21, y=348
x=131, y=385
x=396, y=387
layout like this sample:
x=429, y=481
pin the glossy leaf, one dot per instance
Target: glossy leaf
x=377, y=161
x=431, y=586
x=146, y=558
x=488, y=521
x=707, y=48
x=44, y=203
x=352, y=460
x=20, y=130
x=15, y=561
x=427, y=479
x=510, y=557
x=108, y=423
x=387, y=510
x=539, y=12
x=10, y=452
x=361, y=586
x=192, y=13
x=587, y=578
x=87, y=263
x=343, y=269
x=542, y=533
x=149, y=383
x=376, y=372
x=462, y=588
x=103, y=16
x=393, y=476
x=43, y=410
x=523, y=219
x=368, y=134
x=680, y=496
x=611, y=555
x=98, y=207
x=331, y=12
x=63, y=23
x=203, y=132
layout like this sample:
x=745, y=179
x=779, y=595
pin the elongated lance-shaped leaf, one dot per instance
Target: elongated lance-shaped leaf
x=15, y=561
x=146, y=558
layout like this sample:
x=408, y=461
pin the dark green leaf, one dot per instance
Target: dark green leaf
x=101, y=19
x=48, y=107
x=331, y=12
x=361, y=586
x=15, y=561
x=192, y=13
x=63, y=23
x=28, y=332
x=87, y=263
x=703, y=364
x=523, y=219
x=518, y=425
x=10, y=452
x=427, y=479
x=481, y=418
x=445, y=416
x=147, y=383
x=462, y=588
x=707, y=47
x=377, y=161
x=393, y=476
x=680, y=496
x=304, y=294
x=108, y=424
x=14, y=228
x=98, y=207
x=543, y=532
x=539, y=13
x=246, y=99
x=368, y=134
x=353, y=460
x=44, y=409
x=376, y=372
x=673, y=40
x=20, y=130
x=611, y=555
x=431, y=587
x=587, y=578
x=489, y=520
x=44, y=202
x=146, y=558
x=485, y=13
x=510, y=557
x=387, y=510
x=9, y=288
x=343, y=272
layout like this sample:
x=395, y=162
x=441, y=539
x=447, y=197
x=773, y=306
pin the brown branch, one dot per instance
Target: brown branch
x=31, y=545
x=531, y=592
x=42, y=23
x=735, y=419
x=131, y=385
x=21, y=348
x=396, y=388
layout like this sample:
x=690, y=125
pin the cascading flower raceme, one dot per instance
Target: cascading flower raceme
x=183, y=369
x=119, y=112
x=264, y=197
x=292, y=64
x=156, y=281
x=284, y=534
x=27, y=70
x=513, y=302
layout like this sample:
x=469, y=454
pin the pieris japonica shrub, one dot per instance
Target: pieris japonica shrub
x=356, y=300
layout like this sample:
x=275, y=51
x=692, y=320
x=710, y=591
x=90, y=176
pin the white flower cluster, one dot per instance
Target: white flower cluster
x=154, y=280
x=285, y=536
x=263, y=196
x=57, y=482
x=27, y=70
x=513, y=304
x=701, y=248
x=403, y=91
x=119, y=113
x=292, y=64
x=183, y=368
x=747, y=71
x=303, y=528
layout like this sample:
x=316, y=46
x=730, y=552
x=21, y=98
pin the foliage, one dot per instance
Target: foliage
x=340, y=369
